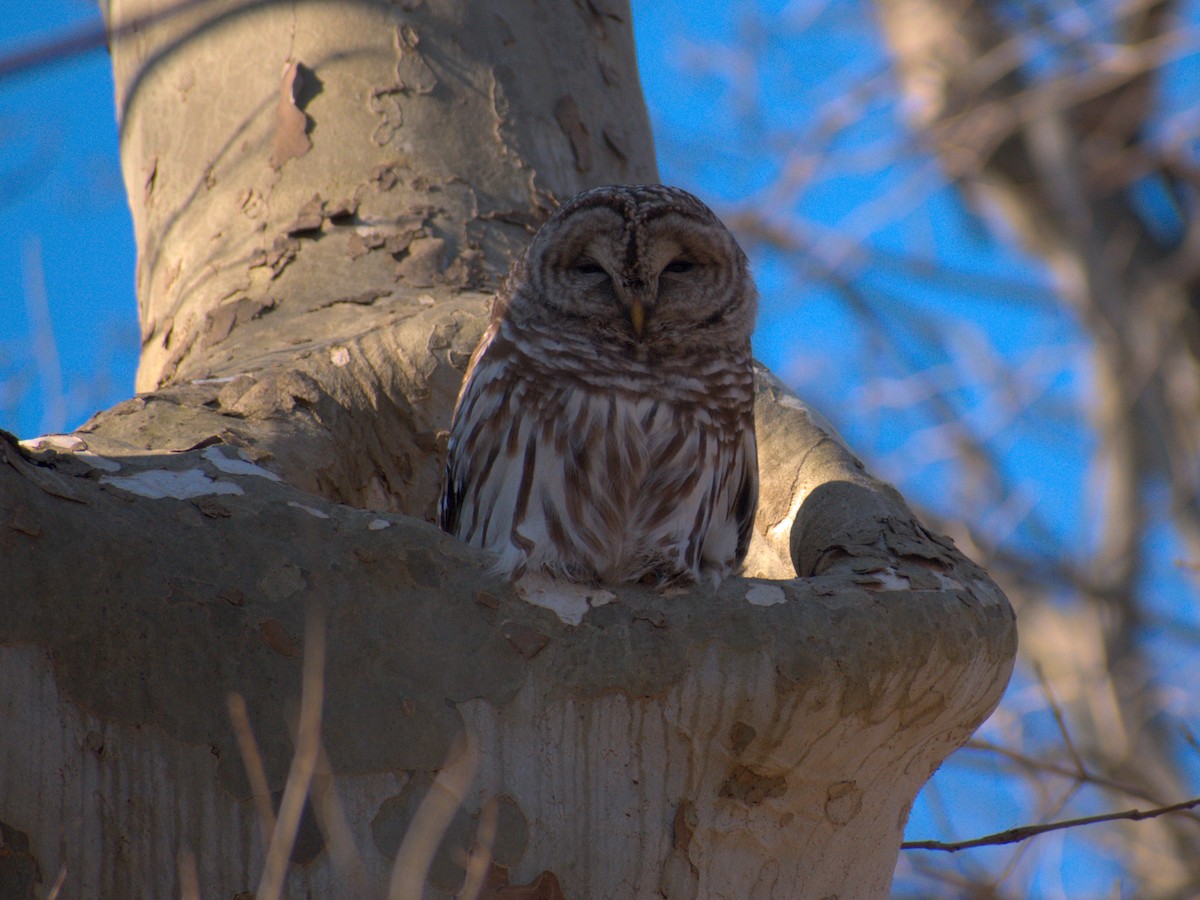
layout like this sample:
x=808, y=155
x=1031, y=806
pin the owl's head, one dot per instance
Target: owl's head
x=642, y=266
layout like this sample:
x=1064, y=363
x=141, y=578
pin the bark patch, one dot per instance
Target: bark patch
x=290, y=139
x=752, y=787
x=566, y=111
x=498, y=887
x=684, y=825
x=225, y=318
x=275, y=636
x=740, y=736
x=23, y=521
x=528, y=641
x=843, y=801
x=413, y=74
x=310, y=217
x=423, y=263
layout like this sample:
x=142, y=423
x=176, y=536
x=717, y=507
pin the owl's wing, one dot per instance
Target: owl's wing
x=450, y=504
x=745, y=503
x=451, y=500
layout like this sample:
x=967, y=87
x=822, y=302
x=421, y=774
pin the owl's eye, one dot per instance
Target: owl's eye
x=588, y=267
x=679, y=265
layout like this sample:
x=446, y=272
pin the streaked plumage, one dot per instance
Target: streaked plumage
x=605, y=429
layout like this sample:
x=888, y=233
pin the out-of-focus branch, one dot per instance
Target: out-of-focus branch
x=1052, y=134
x=83, y=39
x=1081, y=774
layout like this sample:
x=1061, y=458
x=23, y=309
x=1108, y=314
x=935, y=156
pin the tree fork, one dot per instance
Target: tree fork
x=324, y=195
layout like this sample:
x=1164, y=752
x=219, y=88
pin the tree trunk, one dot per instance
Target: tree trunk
x=323, y=196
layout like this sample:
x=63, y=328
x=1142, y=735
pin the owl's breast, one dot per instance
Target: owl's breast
x=594, y=467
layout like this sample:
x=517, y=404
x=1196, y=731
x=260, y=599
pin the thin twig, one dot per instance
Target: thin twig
x=89, y=36
x=58, y=883
x=256, y=773
x=304, y=761
x=1025, y=832
x=1049, y=768
x=1060, y=719
x=479, y=858
x=1020, y=852
x=189, y=877
x=331, y=817
x=431, y=821
x=45, y=346
x=1189, y=737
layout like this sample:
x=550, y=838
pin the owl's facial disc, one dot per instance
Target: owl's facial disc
x=601, y=277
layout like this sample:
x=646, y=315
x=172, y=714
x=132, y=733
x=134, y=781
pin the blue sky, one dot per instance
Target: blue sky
x=61, y=193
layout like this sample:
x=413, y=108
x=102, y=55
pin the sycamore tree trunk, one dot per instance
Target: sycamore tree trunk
x=324, y=194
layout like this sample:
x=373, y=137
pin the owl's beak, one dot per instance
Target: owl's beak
x=637, y=316
x=635, y=291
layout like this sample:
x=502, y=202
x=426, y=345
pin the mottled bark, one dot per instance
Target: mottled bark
x=323, y=194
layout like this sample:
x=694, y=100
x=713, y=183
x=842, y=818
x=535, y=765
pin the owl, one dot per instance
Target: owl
x=605, y=429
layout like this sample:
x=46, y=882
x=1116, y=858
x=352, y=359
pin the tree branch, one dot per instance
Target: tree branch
x=1025, y=832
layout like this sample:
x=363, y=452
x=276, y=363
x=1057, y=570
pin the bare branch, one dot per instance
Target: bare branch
x=256, y=774
x=83, y=39
x=304, y=763
x=1025, y=832
x=1059, y=719
x=1032, y=765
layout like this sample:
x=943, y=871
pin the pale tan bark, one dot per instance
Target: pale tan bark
x=300, y=364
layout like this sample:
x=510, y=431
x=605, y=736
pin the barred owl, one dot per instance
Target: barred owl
x=605, y=429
